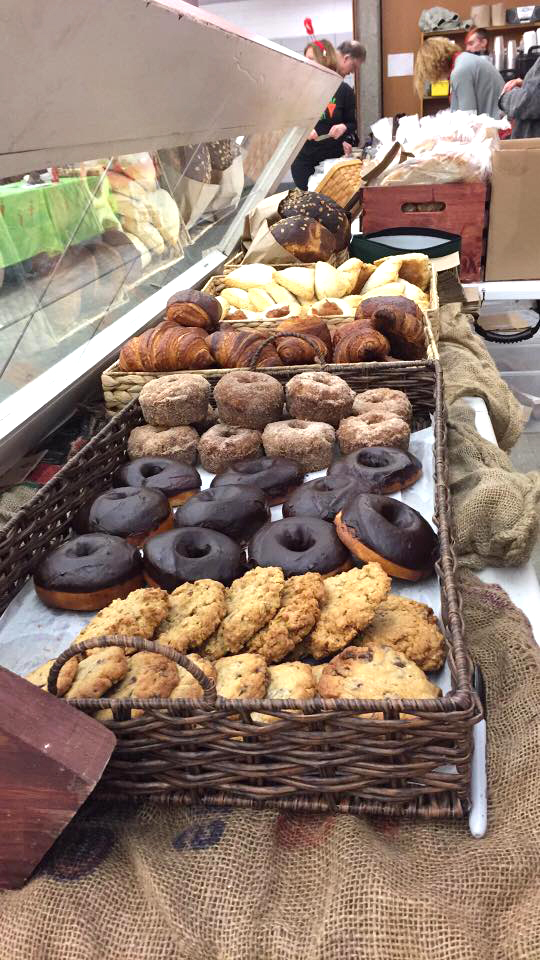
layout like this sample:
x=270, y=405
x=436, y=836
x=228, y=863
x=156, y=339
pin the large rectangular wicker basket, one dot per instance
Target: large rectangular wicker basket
x=395, y=757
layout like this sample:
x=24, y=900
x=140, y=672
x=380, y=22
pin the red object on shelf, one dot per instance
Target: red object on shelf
x=309, y=27
x=464, y=210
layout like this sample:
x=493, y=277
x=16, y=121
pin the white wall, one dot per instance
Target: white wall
x=283, y=20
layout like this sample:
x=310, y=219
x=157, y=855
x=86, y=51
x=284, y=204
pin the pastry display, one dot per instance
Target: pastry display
x=378, y=469
x=192, y=308
x=248, y=399
x=236, y=512
x=322, y=498
x=175, y=400
x=195, y=612
x=382, y=398
x=251, y=602
x=177, y=481
x=175, y=443
x=411, y=628
x=277, y=477
x=165, y=347
x=373, y=429
x=88, y=572
x=301, y=601
x=189, y=554
x=319, y=396
x=380, y=528
x=133, y=513
x=309, y=443
x=299, y=545
x=375, y=672
x=222, y=445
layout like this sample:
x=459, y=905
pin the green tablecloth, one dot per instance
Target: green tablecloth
x=47, y=218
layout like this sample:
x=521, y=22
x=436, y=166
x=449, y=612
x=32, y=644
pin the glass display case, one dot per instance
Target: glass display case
x=126, y=171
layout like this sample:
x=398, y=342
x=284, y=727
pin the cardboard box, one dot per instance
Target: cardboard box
x=513, y=251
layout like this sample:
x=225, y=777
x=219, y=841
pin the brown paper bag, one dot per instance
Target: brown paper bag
x=266, y=210
x=264, y=249
x=498, y=14
x=481, y=15
x=194, y=198
x=230, y=186
x=513, y=252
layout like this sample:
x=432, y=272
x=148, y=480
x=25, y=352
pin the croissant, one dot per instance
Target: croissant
x=236, y=348
x=167, y=347
x=311, y=326
x=361, y=345
x=400, y=320
x=192, y=308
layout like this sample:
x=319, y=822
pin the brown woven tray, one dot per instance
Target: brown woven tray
x=326, y=755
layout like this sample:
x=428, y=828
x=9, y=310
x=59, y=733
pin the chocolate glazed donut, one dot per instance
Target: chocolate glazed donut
x=378, y=469
x=277, y=477
x=177, y=481
x=238, y=512
x=303, y=545
x=389, y=532
x=189, y=554
x=133, y=513
x=88, y=573
x=322, y=498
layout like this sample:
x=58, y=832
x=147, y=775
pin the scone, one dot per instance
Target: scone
x=375, y=672
x=251, y=602
x=187, y=686
x=136, y=616
x=351, y=600
x=300, y=607
x=410, y=627
x=288, y=681
x=243, y=677
x=195, y=612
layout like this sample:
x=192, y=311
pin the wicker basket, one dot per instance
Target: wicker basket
x=326, y=755
x=342, y=181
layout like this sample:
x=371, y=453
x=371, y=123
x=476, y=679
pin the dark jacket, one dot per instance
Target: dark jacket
x=341, y=109
x=522, y=105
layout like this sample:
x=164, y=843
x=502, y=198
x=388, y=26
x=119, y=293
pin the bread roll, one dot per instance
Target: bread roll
x=319, y=207
x=300, y=281
x=329, y=282
x=250, y=275
x=386, y=272
x=260, y=300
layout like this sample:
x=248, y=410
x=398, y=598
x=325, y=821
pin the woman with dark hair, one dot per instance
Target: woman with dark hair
x=337, y=124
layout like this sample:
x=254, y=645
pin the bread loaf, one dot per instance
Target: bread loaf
x=304, y=238
x=192, y=308
x=319, y=207
x=167, y=347
x=236, y=348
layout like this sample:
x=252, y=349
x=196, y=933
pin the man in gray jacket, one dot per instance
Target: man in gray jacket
x=520, y=101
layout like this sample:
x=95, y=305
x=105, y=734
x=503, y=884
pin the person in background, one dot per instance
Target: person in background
x=350, y=56
x=337, y=124
x=520, y=101
x=475, y=84
x=477, y=41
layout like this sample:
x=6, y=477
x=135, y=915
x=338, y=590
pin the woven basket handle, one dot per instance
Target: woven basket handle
x=208, y=686
x=299, y=336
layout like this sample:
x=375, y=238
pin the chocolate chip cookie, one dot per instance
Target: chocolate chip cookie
x=98, y=673
x=40, y=676
x=375, y=672
x=195, y=612
x=242, y=677
x=300, y=607
x=410, y=627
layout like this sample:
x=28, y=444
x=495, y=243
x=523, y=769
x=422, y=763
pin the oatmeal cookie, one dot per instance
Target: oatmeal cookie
x=252, y=601
x=40, y=676
x=136, y=616
x=410, y=627
x=351, y=600
x=195, y=612
x=375, y=672
x=243, y=677
x=288, y=681
x=300, y=607
x=148, y=675
x=98, y=673
x=187, y=686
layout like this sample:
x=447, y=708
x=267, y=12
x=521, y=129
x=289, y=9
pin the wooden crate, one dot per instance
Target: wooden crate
x=465, y=212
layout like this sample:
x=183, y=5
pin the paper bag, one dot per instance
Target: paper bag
x=266, y=210
x=481, y=15
x=513, y=251
x=230, y=186
x=264, y=249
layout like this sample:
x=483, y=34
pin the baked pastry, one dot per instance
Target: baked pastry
x=357, y=273
x=236, y=348
x=238, y=512
x=375, y=672
x=221, y=446
x=411, y=628
x=248, y=399
x=351, y=600
x=304, y=238
x=192, y=308
x=413, y=267
x=319, y=207
x=298, y=280
x=195, y=612
x=88, y=572
x=377, y=469
x=250, y=276
x=400, y=320
x=235, y=297
x=329, y=282
x=133, y=513
x=310, y=326
x=294, y=351
x=175, y=400
x=40, y=676
x=360, y=344
x=177, y=481
x=391, y=401
x=331, y=307
x=311, y=444
x=175, y=443
x=373, y=429
x=260, y=300
x=287, y=681
x=188, y=688
x=242, y=677
x=137, y=615
x=380, y=528
x=277, y=477
x=299, y=545
x=386, y=272
x=322, y=498
x=189, y=554
x=148, y=675
x=252, y=601
x=319, y=396
x=299, y=611
x=167, y=347
x=97, y=674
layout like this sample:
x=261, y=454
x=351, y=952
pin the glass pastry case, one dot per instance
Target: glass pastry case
x=127, y=167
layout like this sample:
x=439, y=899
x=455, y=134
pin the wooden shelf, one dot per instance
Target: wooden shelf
x=504, y=28
x=440, y=96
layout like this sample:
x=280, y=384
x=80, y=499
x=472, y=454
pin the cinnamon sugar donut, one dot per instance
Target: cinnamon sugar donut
x=319, y=396
x=384, y=400
x=176, y=443
x=373, y=429
x=310, y=443
x=175, y=400
x=248, y=399
x=223, y=445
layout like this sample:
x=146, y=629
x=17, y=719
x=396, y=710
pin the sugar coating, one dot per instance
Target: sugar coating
x=309, y=443
x=248, y=399
x=223, y=445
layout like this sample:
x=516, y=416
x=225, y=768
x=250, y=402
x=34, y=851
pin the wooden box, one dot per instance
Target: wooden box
x=460, y=208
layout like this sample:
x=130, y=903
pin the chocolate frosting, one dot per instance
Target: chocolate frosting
x=392, y=529
x=376, y=469
x=159, y=473
x=322, y=498
x=91, y=562
x=236, y=513
x=127, y=511
x=302, y=545
x=189, y=554
x=273, y=475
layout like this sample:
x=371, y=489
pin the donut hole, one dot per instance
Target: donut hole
x=83, y=549
x=371, y=416
x=297, y=541
x=319, y=378
x=368, y=458
x=297, y=425
x=193, y=551
x=150, y=470
x=254, y=466
x=244, y=378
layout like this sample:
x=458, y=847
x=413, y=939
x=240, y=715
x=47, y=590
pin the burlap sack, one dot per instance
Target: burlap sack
x=201, y=884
